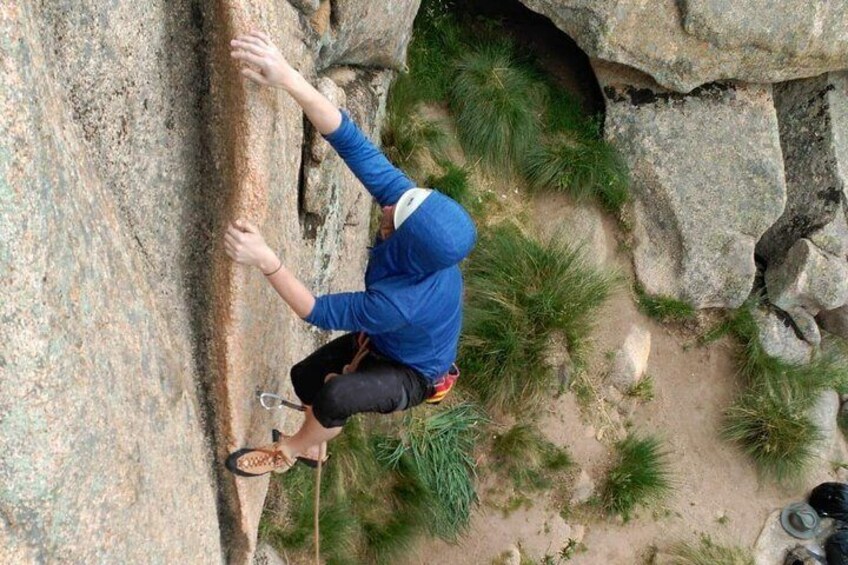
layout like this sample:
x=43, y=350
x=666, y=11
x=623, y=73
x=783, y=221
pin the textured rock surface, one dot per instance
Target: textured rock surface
x=631, y=360
x=778, y=338
x=101, y=427
x=128, y=142
x=707, y=181
x=583, y=489
x=824, y=414
x=835, y=321
x=371, y=33
x=813, y=118
x=774, y=543
x=808, y=278
x=684, y=44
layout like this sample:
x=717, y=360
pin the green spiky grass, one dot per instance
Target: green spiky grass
x=707, y=552
x=437, y=42
x=580, y=166
x=520, y=292
x=381, y=492
x=528, y=459
x=407, y=136
x=640, y=476
x=453, y=183
x=439, y=447
x=770, y=420
x=497, y=101
x=663, y=308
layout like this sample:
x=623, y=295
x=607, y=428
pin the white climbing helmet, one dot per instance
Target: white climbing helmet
x=408, y=203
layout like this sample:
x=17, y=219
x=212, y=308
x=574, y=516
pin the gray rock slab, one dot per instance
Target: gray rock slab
x=773, y=543
x=824, y=415
x=106, y=455
x=707, y=181
x=835, y=321
x=685, y=44
x=778, y=338
x=808, y=278
x=631, y=360
x=813, y=118
x=372, y=33
x=583, y=489
x=832, y=238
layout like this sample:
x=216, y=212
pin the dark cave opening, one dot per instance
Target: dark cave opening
x=556, y=53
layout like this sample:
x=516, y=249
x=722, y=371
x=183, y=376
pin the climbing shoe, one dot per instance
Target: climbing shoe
x=258, y=461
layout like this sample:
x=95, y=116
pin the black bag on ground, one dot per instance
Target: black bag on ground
x=836, y=548
x=830, y=500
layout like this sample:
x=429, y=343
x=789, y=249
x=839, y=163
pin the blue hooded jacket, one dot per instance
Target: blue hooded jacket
x=412, y=303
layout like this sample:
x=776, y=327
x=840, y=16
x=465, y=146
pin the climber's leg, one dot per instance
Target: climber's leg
x=379, y=385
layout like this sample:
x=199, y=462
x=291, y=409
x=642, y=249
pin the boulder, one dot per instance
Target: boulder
x=370, y=33
x=808, y=278
x=778, y=338
x=813, y=116
x=631, y=360
x=267, y=555
x=832, y=238
x=806, y=325
x=583, y=489
x=835, y=321
x=824, y=415
x=576, y=223
x=687, y=43
x=699, y=206
x=773, y=543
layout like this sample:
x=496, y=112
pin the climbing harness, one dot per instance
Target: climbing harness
x=270, y=401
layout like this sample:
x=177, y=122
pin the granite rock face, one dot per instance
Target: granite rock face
x=370, y=33
x=813, y=121
x=685, y=44
x=106, y=454
x=707, y=181
x=133, y=348
x=808, y=278
x=779, y=339
x=835, y=321
x=631, y=360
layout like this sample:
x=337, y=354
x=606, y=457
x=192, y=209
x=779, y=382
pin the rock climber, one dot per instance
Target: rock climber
x=403, y=329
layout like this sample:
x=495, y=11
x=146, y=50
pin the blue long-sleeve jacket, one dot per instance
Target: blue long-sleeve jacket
x=412, y=303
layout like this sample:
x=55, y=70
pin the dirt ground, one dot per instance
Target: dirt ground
x=716, y=488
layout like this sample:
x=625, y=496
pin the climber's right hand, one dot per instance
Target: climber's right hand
x=264, y=64
x=244, y=244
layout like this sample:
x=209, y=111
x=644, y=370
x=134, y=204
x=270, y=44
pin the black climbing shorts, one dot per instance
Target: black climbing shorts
x=378, y=385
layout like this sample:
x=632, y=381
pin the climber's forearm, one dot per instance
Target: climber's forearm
x=323, y=114
x=290, y=289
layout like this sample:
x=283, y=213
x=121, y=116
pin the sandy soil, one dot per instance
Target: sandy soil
x=717, y=490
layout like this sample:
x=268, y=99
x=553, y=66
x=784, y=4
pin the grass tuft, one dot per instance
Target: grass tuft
x=496, y=100
x=663, y=308
x=770, y=421
x=528, y=459
x=439, y=448
x=381, y=492
x=706, y=552
x=639, y=477
x=453, y=183
x=520, y=292
x=407, y=136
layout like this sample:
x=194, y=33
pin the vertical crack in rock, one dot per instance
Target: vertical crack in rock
x=200, y=260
